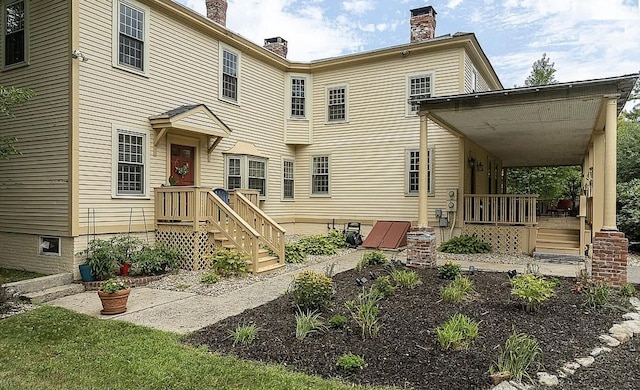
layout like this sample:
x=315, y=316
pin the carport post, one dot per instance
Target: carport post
x=422, y=174
x=611, y=117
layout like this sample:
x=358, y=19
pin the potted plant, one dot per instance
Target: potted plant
x=114, y=295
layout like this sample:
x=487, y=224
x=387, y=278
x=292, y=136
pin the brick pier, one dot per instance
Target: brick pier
x=421, y=246
x=609, y=263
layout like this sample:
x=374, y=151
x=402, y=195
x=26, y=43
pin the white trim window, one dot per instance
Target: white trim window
x=230, y=65
x=320, y=183
x=131, y=163
x=412, y=169
x=131, y=36
x=337, y=103
x=298, y=97
x=15, y=34
x=288, y=183
x=419, y=86
x=244, y=171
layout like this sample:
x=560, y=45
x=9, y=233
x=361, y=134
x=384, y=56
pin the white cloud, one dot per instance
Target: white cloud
x=453, y=3
x=197, y=5
x=358, y=6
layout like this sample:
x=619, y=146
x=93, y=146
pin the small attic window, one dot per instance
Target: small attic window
x=50, y=246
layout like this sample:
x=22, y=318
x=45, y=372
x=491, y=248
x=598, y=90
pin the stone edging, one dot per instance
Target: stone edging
x=618, y=334
x=132, y=281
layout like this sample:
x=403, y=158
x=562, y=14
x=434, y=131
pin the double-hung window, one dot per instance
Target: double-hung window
x=419, y=86
x=287, y=179
x=320, y=175
x=15, y=32
x=131, y=163
x=413, y=172
x=229, y=87
x=244, y=171
x=131, y=32
x=337, y=104
x=298, y=97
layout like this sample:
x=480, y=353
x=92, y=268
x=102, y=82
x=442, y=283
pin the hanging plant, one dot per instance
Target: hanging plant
x=183, y=170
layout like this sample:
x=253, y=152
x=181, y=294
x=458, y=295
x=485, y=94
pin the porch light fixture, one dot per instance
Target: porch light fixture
x=471, y=162
x=480, y=167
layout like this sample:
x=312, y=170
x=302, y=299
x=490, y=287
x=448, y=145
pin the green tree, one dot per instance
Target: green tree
x=9, y=98
x=542, y=72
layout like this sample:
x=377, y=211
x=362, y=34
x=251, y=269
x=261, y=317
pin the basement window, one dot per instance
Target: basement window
x=50, y=246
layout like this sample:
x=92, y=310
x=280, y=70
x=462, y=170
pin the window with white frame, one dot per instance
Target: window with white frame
x=419, y=86
x=336, y=104
x=132, y=35
x=287, y=179
x=15, y=32
x=413, y=172
x=131, y=163
x=320, y=175
x=244, y=171
x=298, y=97
x=229, y=87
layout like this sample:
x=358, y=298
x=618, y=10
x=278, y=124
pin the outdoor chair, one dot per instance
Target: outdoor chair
x=222, y=194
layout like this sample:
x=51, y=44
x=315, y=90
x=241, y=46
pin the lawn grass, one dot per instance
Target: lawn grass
x=54, y=348
x=13, y=275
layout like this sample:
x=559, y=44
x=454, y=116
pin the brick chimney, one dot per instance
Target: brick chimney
x=217, y=11
x=423, y=24
x=276, y=45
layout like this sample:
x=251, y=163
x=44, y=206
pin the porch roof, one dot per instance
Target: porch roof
x=548, y=125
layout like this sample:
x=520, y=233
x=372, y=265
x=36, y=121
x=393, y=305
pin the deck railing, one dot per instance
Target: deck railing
x=500, y=209
x=271, y=234
x=181, y=204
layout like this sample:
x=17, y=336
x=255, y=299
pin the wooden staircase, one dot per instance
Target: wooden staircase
x=266, y=262
x=558, y=241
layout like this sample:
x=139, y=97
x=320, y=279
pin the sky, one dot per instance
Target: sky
x=585, y=39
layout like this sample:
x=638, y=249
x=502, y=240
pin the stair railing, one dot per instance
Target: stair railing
x=233, y=227
x=271, y=234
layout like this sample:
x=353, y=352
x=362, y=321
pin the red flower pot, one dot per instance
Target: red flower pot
x=124, y=269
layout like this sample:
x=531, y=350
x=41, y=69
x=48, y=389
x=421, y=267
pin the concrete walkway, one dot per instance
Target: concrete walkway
x=183, y=312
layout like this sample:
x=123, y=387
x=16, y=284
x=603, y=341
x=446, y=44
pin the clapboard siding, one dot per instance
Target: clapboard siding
x=183, y=69
x=34, y=187
x=469, y=68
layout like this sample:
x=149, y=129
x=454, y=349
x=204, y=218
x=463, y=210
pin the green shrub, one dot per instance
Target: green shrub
x=449, y=270
x=532, y=290
x=627, y=290
x=209, y=278
x=596, y=295
x=364, y=310
x=155, y=260
x=307, y=323
x=350, y=362
x=336, y=238
x=465, y=245
x=229, y=262
x=293, y=253
x=405, y=279
x=457, y=290
x=312, y=290
x=519, y=355
x=244, y=334
x=457, y=333
x=338, y=321
x=376, y=257
x=382, y=285
x=317, y=245
x=628, y=217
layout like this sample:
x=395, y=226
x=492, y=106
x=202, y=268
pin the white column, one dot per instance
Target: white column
x=422, y=174
x=611, y=117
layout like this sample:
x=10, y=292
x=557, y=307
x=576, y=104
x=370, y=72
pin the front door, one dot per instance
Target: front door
x=182, y=166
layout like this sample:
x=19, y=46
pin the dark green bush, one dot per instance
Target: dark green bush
x=350, y=362
x=155, y=260
x=337, y=239
x=383, y=286
x=465, y=245
x=449, y=270
x=338, y=321
x=317, y=245
x=629, y=209
x=312, y=290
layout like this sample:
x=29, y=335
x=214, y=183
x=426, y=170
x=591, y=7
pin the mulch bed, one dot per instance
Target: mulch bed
x=406, y=352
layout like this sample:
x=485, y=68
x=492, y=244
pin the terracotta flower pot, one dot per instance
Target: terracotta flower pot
x=115, y=303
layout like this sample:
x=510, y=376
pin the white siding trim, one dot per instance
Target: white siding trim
x=116, y=37
x=116, y=129
x=222, y=48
